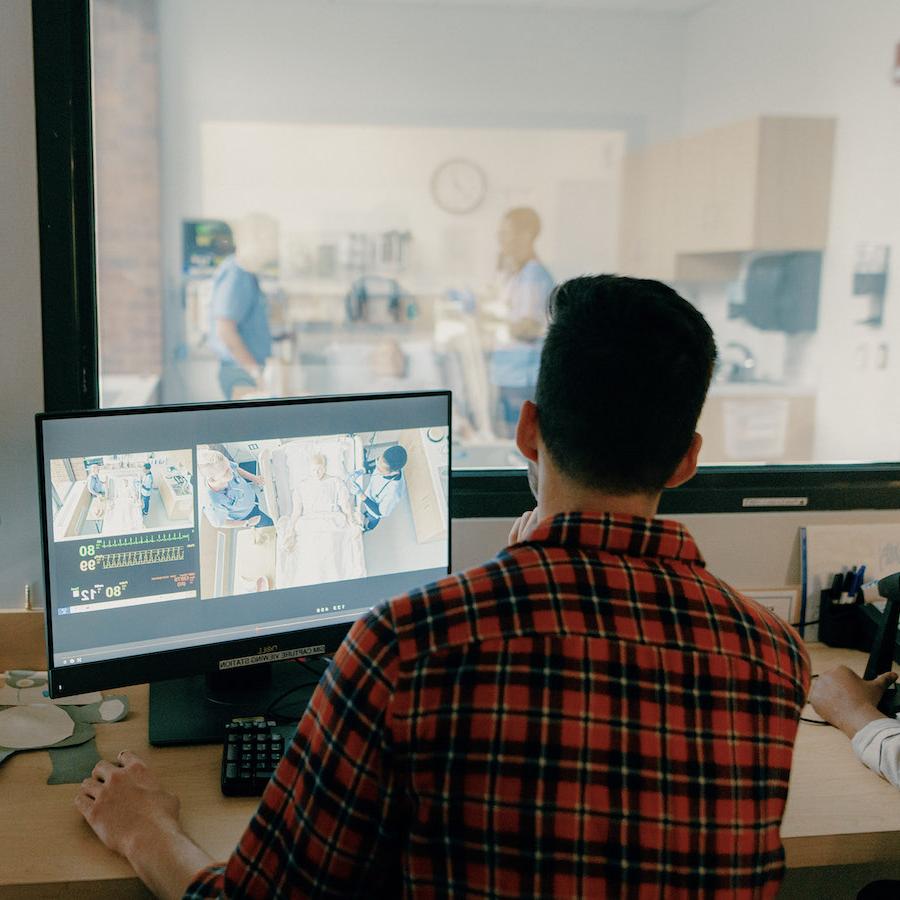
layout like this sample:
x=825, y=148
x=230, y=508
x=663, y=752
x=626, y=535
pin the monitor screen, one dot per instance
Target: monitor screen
x=179, y=540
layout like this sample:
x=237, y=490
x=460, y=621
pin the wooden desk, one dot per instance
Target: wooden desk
x=49, y=850
x=838, y=811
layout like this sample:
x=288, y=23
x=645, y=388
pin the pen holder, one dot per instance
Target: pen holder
x=839, y=624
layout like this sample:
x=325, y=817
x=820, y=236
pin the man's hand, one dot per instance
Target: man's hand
x=124, y=800
x=131, y=813
x=842, y=698
x=523, y=526
x=252, y=522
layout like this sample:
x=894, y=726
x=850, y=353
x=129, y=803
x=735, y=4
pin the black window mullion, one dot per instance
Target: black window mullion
x=63, y=116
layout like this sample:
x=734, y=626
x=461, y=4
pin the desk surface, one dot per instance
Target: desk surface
x=838, y=811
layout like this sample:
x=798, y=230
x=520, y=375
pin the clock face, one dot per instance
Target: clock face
x=458, y=186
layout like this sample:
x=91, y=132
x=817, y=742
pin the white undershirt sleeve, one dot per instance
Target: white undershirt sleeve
x=878, y=746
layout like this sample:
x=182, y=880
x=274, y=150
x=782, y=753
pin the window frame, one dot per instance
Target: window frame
x=66, y=213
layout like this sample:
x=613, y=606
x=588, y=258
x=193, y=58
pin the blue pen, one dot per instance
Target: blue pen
x=860, y=574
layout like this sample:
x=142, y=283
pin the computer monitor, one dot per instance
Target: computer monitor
x=189, y=541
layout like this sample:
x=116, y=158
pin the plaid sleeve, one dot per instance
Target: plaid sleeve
x=327, y=823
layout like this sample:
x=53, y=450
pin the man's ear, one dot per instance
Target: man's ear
x=527, y=431
x=688, y=465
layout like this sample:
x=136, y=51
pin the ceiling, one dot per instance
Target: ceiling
x=679, y=7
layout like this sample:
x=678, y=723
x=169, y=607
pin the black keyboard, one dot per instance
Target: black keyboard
x=250, y=754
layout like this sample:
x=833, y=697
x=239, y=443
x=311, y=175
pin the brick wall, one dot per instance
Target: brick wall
x=125, y=52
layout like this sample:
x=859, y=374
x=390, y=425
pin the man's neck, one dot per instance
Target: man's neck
x=568, y=498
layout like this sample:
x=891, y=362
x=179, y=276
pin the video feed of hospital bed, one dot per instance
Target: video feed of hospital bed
x=319, y=538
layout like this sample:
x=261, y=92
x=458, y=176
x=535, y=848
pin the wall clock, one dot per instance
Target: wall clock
x=459, y=186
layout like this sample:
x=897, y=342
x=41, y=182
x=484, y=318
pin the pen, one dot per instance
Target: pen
x=835, y=592
x=847, y=586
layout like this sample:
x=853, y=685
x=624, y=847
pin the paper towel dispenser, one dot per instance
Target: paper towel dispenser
x=780, y=292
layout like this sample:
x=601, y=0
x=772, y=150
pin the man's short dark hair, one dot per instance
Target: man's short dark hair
x=395, y=457
x=624, y=372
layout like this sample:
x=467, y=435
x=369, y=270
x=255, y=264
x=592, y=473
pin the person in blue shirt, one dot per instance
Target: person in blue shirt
x=239, y=332
x=380, y=485
x=232, y=493
x=95, y=485
x=146, y=489
x=525, y=286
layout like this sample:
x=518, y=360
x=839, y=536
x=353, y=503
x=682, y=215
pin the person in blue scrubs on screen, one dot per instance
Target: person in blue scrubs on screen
x=95, y=485
x=232, y=494
x=146, y=489
x=239, y=320
x=380, y=485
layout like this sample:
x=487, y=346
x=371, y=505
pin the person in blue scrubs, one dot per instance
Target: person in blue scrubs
x=380, y=485
x=239, y=332
x=232, y=493
x=146, y=489
x=525, y=287
x=95, y=485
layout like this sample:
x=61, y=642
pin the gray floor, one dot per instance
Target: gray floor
x=392, y=546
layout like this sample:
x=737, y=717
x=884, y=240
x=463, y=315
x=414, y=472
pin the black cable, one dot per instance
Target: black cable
x=814, y=721
x=272, y=710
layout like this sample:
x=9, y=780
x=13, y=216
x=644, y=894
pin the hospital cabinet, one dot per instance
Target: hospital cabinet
x=176, y=494
x=423, y=473
x=761, y=184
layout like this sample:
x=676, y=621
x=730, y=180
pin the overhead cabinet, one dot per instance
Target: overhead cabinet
x=693, y=205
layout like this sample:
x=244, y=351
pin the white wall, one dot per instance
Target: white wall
x=452, y=65
x=316, y=178
x=748, y=550
x=823, y=58
x=21, y=372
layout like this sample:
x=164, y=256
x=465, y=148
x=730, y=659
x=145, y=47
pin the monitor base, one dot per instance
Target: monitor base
x=196, y=710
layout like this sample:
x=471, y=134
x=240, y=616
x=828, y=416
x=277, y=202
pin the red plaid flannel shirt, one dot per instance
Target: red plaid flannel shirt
x=590, y=714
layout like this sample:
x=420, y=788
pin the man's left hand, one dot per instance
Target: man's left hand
x=124, y=803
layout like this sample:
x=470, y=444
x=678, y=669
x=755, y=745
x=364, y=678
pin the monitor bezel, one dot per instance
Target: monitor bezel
x=201, y=659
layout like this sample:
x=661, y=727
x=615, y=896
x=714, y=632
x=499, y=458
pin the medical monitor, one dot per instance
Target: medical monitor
x=186, y=540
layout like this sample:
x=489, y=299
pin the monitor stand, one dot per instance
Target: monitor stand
x=196, y=710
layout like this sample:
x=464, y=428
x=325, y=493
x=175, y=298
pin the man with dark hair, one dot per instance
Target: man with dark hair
x=591, y=713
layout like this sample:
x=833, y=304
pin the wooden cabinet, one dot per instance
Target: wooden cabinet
x=753, y=423
x=692, y=206
x=650, y=212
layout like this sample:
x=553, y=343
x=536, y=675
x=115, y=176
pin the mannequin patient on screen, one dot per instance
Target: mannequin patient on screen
x=320, y=502
x=321, y=540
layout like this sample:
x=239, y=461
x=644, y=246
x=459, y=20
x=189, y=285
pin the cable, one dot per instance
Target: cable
x=272, y=709
x=814, y=721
